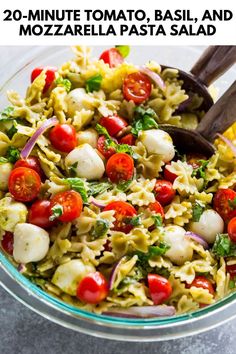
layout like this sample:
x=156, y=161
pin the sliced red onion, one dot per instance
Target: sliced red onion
x=96, y=203
x=114, y=272
x=154, y=76
x=197, y=238
x=21, y=268
x=25, y=152
x=142, y=311
x=228, y=142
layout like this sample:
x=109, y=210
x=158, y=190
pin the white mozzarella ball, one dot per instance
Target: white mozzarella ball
x=88, y=136
x=31, y=243
x=77, y=100
x=157, y=141
x=5, y=171
x=180, y=247
x=11, y=213
x=67, y=276
x=88, y=164
x=208, y=226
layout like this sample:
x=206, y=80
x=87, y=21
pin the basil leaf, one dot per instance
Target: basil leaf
x=159, y=250
x=123, y=186
x=124, y=148
x=57, y=211
x=223, y=246
x=95, y=188
x=157, y=220
x=13, y=130
x=78, y=185
x=64, y=83
x=6, y=113
x=93, y=83
x=134, y=221
x=124, y=50
x=100, y=229
x=198, y=209
x=144, y=119
x=13, y=154
x=200, y=172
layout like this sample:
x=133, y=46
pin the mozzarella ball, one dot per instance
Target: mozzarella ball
x=157, y=141
x=180, y=247
x=77, y=100
x=11, y=213
x=88, y=136
x=5, y=171
x=208, y=226
x=88, y=164
x=31, y=243
x=67, y=276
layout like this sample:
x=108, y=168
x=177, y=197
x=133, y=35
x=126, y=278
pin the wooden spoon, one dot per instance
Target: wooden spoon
x=220, y=117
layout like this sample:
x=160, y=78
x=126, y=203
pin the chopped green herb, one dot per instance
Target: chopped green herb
x=78, y=185
x=144, y=119
x=198, y=209
x=232, y=203
x=6, y=113
x=95, y=188
x=124, y=50
x=13, y=154
x=13, y=130
x=157, y=220
x=223, y=246
x=231, y=284
x=57, y=211
x=93, y=83
x=63, y=82
x=123, y=186
x=200, y=172
x=159, y=250
x=134, y=221
x=72, y=169
x=100, y=229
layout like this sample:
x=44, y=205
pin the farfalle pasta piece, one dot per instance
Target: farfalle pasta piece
x=178, y=288
x=188, y=271
x=125, y=266
x=83, y=54
x=148, y=165
x=211, y=172
x=35, y=90
x=202, y=296
x=109, y=196
x=57, y=101
x=88, y=250
x=177, y=212
x=222, y=280
x=228, y=181
x=82, y=118
x=159, y=262
x=201, y=197
x=186, y=304
x=141, y=192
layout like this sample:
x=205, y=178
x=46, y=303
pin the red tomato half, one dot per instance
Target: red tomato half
x=159, y=287
x=71, y=203
x=24, y=184
x=169, y=176
x=221, y=203
x=7, y=242
x=157, y=208
x=93, y=288
x=63, y=137
x=164, y=192
x=50, y=75
x=113, y=124
x=106, y=151
x=31, y=162
x=128, y=139
x=231, y=269
x=202, y=282
x=112, y=57
x=232, y=229
x=137, y=87
x=120, y=167
x=39, y=214
x=123, y=211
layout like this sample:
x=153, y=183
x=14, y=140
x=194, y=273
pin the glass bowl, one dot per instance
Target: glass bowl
x=16, y=76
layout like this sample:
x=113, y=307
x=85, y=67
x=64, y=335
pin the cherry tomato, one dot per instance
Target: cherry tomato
x=106, y=151
x=232, y=229
x=120, y=167
x=128, y=139
x=113, y=124
x=221, y=203
x=93, y=288
x=112, y=57
x=123, y=211
x=137, y=87
x=24, y=184
x=193, y=159
x=31, y=162
x=50, y=75
x=156, y=208
x=7, y=242
x=169, y=176
x=71, y=203
x=159, y=287
x=63, y=137
x=231, y=269
x=164, y=192
x=39, y=214
x=202, y=282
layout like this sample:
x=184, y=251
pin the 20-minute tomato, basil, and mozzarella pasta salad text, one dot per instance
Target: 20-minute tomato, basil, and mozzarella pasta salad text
x=97, y=207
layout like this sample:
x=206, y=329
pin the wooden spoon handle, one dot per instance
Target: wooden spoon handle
x=220, y=116
x=213, y=63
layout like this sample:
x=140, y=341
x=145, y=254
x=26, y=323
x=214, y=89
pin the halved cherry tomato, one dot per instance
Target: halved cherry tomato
x=128, y=139
x=31, y=162
x=164, y=192
x=106, y=151
x=169, y=176
x=50, y=75
x=231, y=269
x=156, y=208
x=24, y=184
x=63, y=137
x=193, y=159
x=39, y=214
x=7, y=242
x=232, y=229
x=113, y=124
x=159, y=287
x=123, y=211
x=222, y=203
x=93, y=288
x=112, y=57
x=120, y=167
x=137, y=87
x=202, y=282
x=71, y=203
